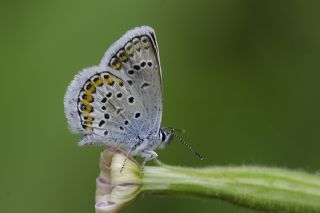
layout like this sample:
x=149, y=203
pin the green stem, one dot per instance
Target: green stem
x=260, y=188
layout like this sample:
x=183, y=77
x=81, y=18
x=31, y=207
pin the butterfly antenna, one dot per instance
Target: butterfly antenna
x=188, y=146
x=176, y=130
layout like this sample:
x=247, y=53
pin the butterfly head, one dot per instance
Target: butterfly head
x=166, y=136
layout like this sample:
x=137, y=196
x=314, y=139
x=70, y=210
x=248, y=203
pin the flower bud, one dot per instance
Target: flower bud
x=119, y=181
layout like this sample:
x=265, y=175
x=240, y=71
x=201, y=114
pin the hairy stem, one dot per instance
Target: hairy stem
x=261, y=188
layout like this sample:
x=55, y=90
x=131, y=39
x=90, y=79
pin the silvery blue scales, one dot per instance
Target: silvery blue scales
x=119, y=102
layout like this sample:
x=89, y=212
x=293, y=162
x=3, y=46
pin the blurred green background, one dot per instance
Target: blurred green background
x=242, y=77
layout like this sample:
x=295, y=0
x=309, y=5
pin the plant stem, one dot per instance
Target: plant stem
x=260, y=188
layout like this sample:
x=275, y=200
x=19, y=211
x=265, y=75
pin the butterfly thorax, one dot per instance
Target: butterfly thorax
x=152, y=142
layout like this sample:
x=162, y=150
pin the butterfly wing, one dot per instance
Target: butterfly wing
x=135, y=59
x=120, y=101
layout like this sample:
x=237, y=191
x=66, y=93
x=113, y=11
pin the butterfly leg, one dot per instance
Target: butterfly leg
x=148, y=155
x=132, y=149
x=125, y=160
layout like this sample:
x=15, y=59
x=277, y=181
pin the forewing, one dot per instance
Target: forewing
x=135, y=59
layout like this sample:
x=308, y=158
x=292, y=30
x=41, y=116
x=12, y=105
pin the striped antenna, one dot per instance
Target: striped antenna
x=187, y=145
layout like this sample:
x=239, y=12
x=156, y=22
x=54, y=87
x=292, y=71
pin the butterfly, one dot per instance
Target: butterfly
x=118, y=103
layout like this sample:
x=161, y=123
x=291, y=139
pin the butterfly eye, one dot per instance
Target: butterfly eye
x=145, y=42
x=137, y=44
x=129, y=48
x=115, y=63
